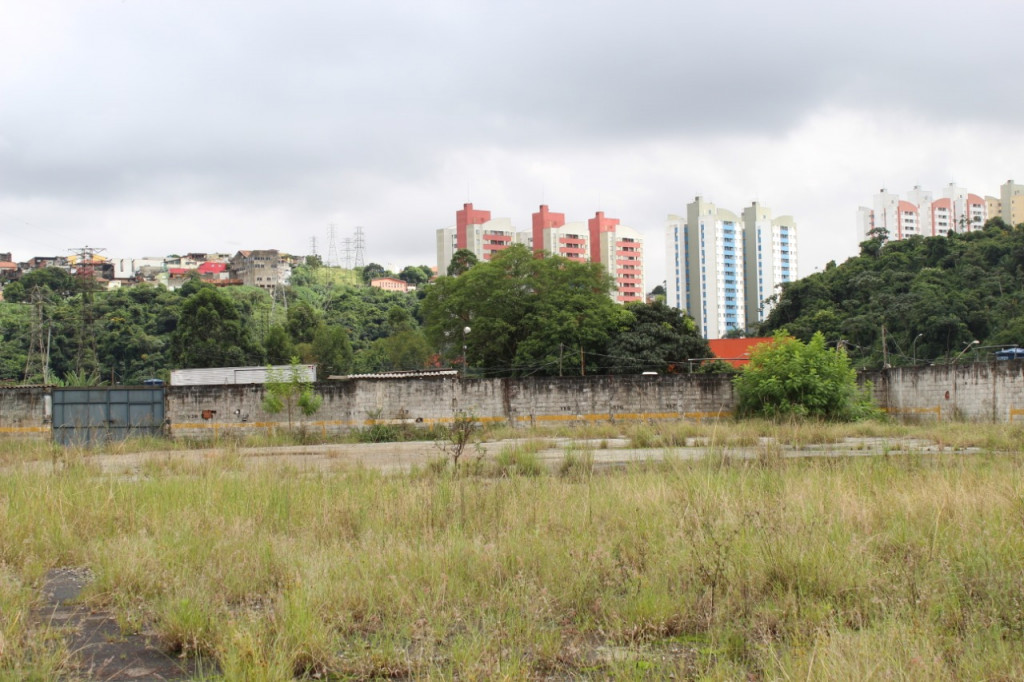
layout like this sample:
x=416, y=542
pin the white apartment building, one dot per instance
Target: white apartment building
x=722, y=268
x=705, y=251
x=920, y=215
x=770, y=249
x=571, y=241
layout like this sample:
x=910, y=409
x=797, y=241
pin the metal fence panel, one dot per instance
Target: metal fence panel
x=83, y=416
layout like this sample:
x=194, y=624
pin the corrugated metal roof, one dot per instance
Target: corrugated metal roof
x=404, y=374
x=234, y=375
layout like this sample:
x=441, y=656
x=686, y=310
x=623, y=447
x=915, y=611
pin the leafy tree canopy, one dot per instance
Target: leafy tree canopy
x=372, y=271
x=53, y=281
x=932, y=296
x=525, y=315
x=212, y=333
x=788, y=378
x=658, y=338
x=462, y=260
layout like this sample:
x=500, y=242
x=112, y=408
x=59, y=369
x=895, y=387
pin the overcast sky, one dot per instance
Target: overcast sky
x=151, y=127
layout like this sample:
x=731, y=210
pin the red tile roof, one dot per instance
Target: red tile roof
x=735, y=351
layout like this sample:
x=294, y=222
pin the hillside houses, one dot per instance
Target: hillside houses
x=263, y=268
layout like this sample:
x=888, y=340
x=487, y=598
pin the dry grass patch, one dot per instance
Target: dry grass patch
x=716, y=569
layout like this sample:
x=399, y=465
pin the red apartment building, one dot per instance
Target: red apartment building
x=599, y=240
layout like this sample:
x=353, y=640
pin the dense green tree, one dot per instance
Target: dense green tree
x=372, y=271
x=788, y=378
x=332, y=350
x=212, y=333
x=658, y=338
x=15, y=335
x=525, y=315
x=132, y=332
x=404, y=348
x=927, y=297
x=54, y=280
x=416, y=275
x=303, y=322
x=462, y=260
x=278, y=346
x=14, y=292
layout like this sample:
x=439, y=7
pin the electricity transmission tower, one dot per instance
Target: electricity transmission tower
x=360, y=248
x=346, y=253
x=332, y=248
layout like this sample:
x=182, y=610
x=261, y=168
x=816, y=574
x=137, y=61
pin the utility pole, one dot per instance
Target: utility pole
x=35, y=345
x=885, y=350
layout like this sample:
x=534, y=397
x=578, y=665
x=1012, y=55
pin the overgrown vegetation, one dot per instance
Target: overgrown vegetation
x=790, y=379
x=922, y=299
x=522, y=315
x=547, y=316
x=898, y=567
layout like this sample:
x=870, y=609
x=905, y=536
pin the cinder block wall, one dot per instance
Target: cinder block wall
x=978, y=392
x=25, y=412
x=200, y=411
x=992, y=391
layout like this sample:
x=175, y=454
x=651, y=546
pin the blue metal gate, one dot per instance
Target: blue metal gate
x=84, y=416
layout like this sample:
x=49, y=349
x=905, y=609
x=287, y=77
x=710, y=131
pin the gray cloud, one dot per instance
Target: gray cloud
x=350, y=111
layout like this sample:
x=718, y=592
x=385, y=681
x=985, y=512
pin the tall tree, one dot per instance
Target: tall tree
x=332, y=350
x=523, y=314
x=372, y=271
x=913, y=300
x=212, y=333
x=462, y=260
x=416, y=275
x=658, y=338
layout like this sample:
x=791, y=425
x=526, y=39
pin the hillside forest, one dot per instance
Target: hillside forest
x=514, y=316
x=921, y=300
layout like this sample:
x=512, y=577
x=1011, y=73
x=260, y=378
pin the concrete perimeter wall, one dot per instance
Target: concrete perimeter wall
x=203, y=411
x=25, y=412
x=991, y=392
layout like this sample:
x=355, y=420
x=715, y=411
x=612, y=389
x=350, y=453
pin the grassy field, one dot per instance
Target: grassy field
x=905, y=566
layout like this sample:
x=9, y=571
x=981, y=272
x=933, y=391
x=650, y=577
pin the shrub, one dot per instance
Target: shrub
x=787, y=378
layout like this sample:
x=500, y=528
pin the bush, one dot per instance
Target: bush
x=787, y=378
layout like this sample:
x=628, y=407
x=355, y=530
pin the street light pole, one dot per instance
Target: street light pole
x=972, y=343
x=913, y=349
x=465, y=331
